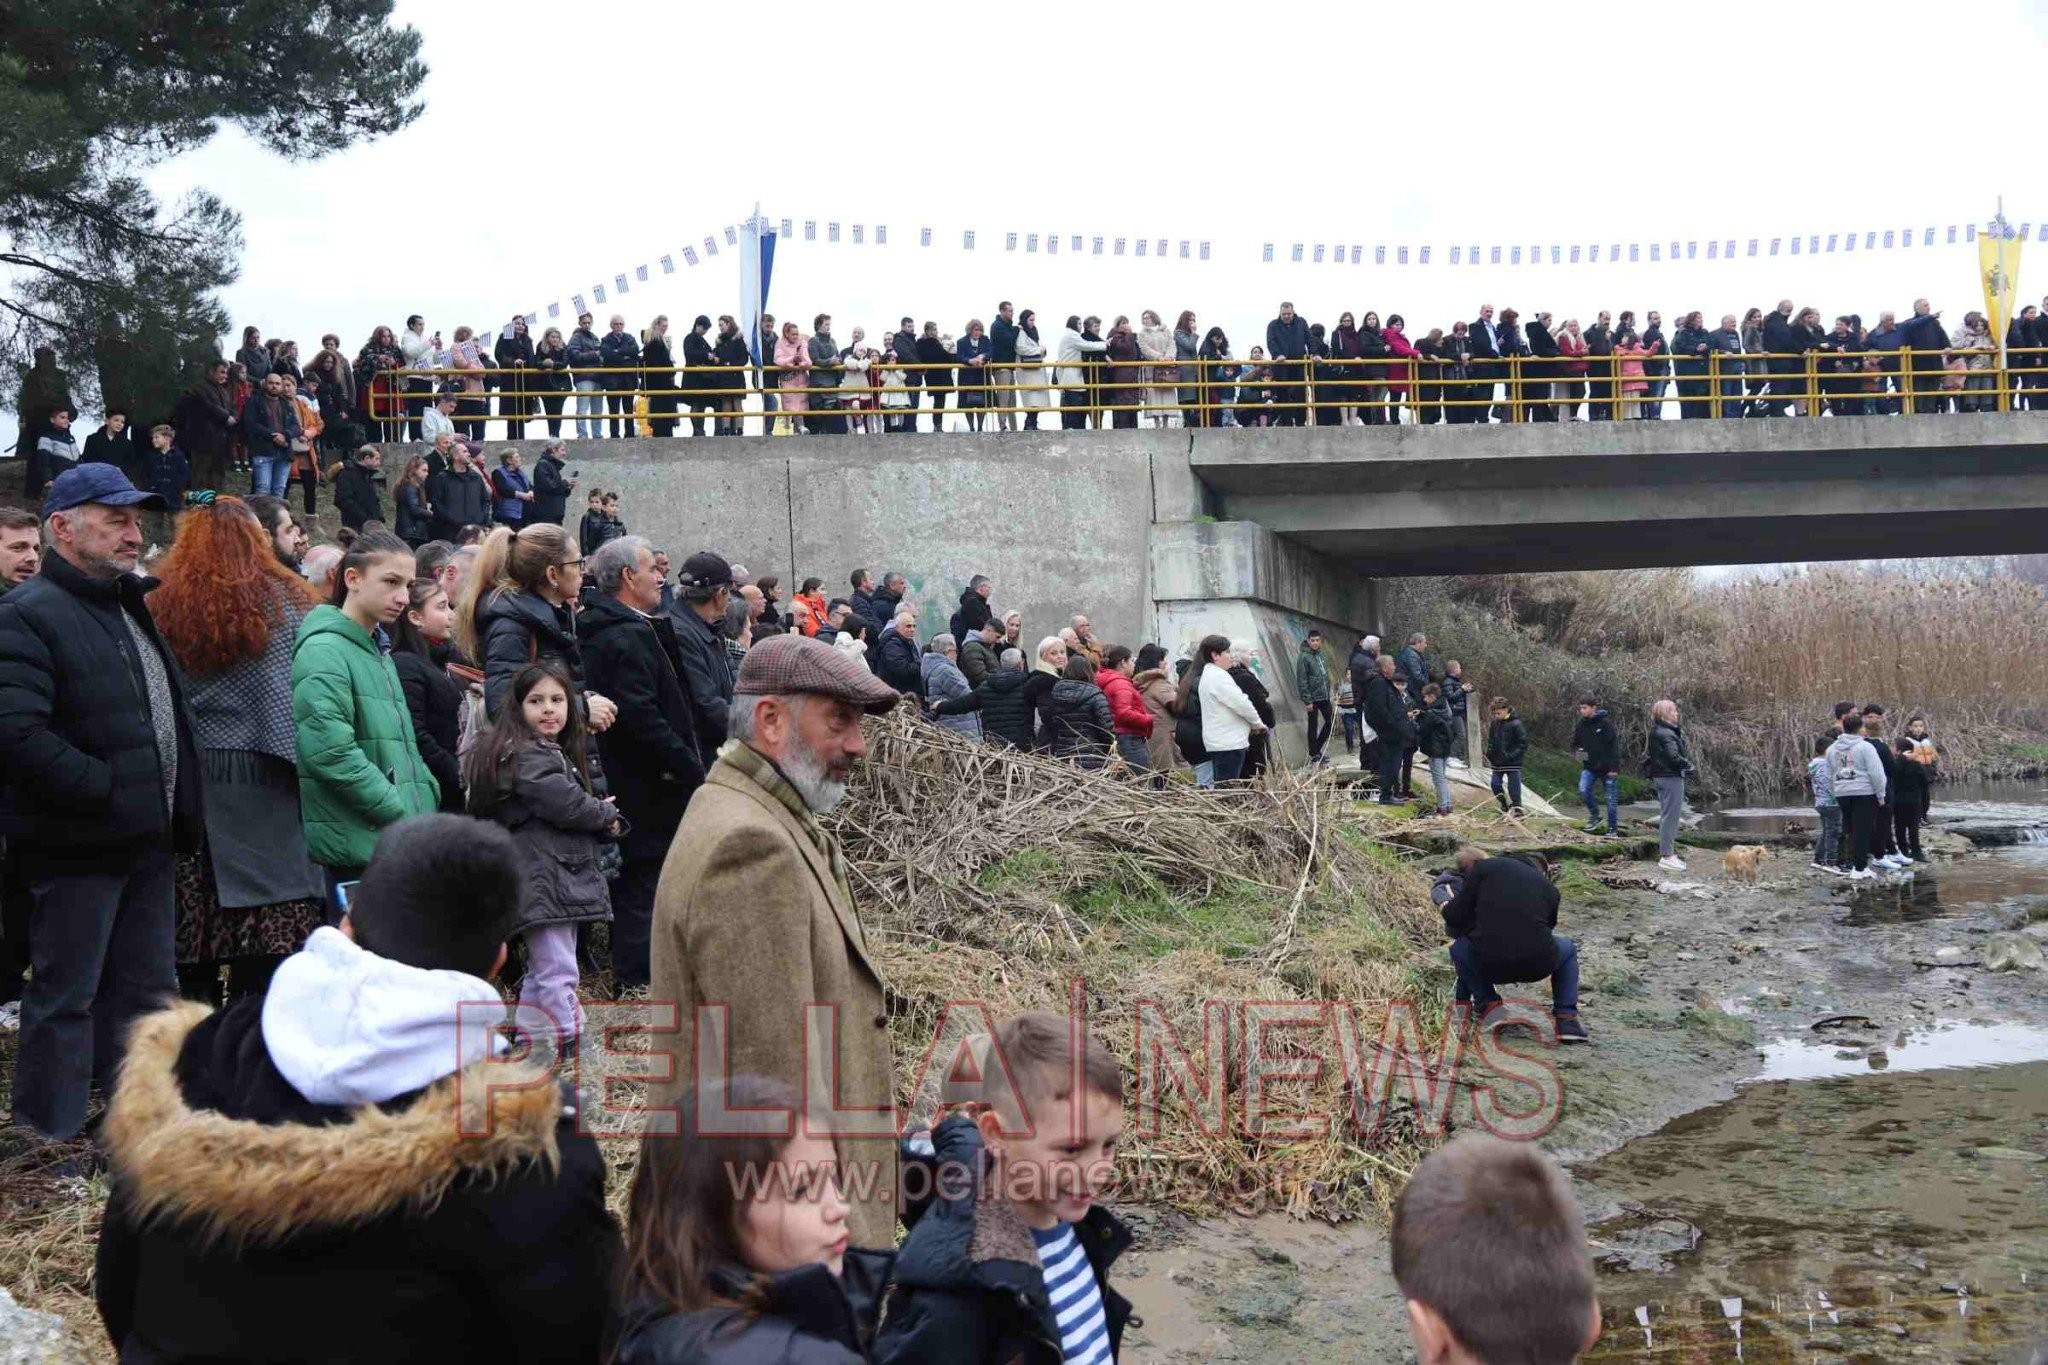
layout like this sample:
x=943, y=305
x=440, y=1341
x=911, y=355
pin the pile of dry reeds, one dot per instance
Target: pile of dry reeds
x=999, y=877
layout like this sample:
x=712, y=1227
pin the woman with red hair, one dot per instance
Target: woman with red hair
x=229, y=610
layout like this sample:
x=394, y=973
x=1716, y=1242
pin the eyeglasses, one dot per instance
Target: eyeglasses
x=575, y=563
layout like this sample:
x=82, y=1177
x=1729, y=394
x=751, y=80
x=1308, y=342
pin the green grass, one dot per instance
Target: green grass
x=1019, y=871
x=1553, y=771
x=1235, y=920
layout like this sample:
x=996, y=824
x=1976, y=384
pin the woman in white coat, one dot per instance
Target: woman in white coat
x=1229, y=720
x=1162, y=374
x=1029, y=376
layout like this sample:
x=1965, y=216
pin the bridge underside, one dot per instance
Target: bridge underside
x=1422, y=500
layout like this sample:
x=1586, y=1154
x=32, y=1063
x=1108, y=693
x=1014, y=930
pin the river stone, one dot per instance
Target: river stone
x=2013, y=953
x=2002, y=1154
x=35, y=1338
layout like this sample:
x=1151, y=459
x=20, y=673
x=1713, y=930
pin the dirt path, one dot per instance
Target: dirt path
x=1678, y=991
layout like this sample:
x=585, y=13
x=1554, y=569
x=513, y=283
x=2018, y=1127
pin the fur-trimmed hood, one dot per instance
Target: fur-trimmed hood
x=250, y=1182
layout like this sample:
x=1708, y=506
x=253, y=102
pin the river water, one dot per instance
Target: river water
x=1873, y=1194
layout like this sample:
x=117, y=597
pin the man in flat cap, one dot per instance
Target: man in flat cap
x=756, y=937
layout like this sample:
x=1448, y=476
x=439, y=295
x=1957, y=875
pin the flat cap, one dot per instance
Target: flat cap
x=796, y=665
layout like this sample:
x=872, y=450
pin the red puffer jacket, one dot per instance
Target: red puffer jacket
x=1126, y=707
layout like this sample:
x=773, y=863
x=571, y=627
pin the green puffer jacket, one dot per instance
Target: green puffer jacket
x=359, y=765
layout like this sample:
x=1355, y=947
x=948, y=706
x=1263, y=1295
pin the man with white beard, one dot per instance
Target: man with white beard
x=756, y=936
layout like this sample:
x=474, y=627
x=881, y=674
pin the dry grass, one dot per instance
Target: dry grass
x=1758, y=662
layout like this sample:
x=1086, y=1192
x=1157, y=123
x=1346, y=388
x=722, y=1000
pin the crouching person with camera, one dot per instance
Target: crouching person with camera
x=338, y=1169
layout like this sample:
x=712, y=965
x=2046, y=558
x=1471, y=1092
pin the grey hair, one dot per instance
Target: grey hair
x=1371, y=642
x=942, y=644
x=906, y=615
x=739, y=717
x=1418, y=637
x=554, y=447
x=735, y=618
x=1012, y=658
x=609, y=562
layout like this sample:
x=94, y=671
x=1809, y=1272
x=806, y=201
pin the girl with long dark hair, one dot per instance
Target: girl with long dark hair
x=422, y=653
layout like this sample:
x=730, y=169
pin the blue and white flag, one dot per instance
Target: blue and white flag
x=532, y=319
x=1096, y=244
x=924, y=236
x=1204, y=251
x=581, y=306
x=1496, y=255
x=1319, y=252
x=1888, y=239
x=1297, y=251
x=1268, y=254
x=597, y=292
x=1052, y=244
x=1969, y=232
x=831, y=232
x=668, y=265
x=1074, y=245
x=1613, y=252
x=1556, y=254
x=1928, y=240
x=1141, y=249
x=1472, y=254
x=1185, y=245
x=1655, y=249
x=1692, y=250
x=810, y=229
x=1379, y=255
x=1796, y=241
x=640, y=273
x=1870, y=240
x=1161, y=251
x=732, y=235
x=1752, y=246
x=1712, y=253
x=620, y=280
x=860, y=232
x=2023, y=230
x=710, y=246
x=1121, y=241
x=788, y=229
x=881, y=234
x=1635, y=252
x=1515, y=255
x=1401, y=256
x=689, y=258
x=1833, y=237
x=1009, y=241
x=1425, y=255
x=967, y=239
x=1455, y=253
x=1813, y=245
x=554, y=310
x=1575, y=253
x=757, y=270
x=1030, y=243
x=1774, y=245
x=1728, y=250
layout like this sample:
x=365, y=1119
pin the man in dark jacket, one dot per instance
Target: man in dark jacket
x=1785, y=366
x=619, y=351
x=983, y=652
x=1924, y=336
x=1007, y=714
x=114, y=443
x=1600, y=368
x=551, y=488
x=1500, y=923
x=703, y=592
x=651, y=759
x=1364, y=666
x=862, y=598
x=1388, y=712
x=886, y=602
x=1287, y=347
x=278, y=1171
x=270, y=427
x=460, y=496
x=974, y=610
x=1413, y=664
x=102, y=789
x=1002, y=365
x=898, y=663
x=355, y=489
x=1598, y=745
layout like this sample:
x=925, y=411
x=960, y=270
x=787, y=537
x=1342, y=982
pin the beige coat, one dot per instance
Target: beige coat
x=749, y=915
x=1159, y=693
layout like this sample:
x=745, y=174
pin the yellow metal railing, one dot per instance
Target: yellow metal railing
x=1307, y=391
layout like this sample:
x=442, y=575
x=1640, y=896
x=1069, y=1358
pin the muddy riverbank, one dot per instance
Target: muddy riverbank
x=1705, y=1182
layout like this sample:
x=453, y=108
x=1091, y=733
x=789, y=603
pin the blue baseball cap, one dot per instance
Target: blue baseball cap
x=100, y=483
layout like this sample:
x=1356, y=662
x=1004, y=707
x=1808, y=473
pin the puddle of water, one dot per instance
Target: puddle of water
x=2001, y=882
x=1835, y=1217
x=1858, y=1052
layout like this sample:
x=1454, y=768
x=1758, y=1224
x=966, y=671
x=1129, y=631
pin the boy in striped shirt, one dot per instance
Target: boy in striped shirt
x=1010, y=1260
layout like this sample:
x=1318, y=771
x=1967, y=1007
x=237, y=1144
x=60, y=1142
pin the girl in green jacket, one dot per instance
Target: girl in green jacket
x=359, y=764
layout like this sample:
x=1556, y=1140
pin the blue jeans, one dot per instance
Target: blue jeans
x=1227, y=764
x=1827, y=845
x=1205, y=773
x=1439, y=774
x=589, y=404
x=1588, y=781
x=1511, y=778
x=1393, y=766
x=1474, y=986
x=270, y=474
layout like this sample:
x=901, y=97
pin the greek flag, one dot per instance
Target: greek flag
x=810, y=229
x=1184, y=248
x=621, y=281
x=1711, y=253
x=1319, y=252
x=860, y=232
x=1752, y=246
x=1888, y=239
x=1074, y=245
x=1454, y=254
x=1613, y=252
x=1098, y=247
x=710, y=246
x=967, y=239
x=1268, y=256
x=1161, y=252
x=924, y=236
x=1496, y=255
x=689, y=258
x=554, y=310
x=1030, y=242
x=1728, y=251
x=881, y=234
x=1141, y=249
x=1121, y=240
x=1655, y=249
x=831, y=232
x=640, y=273
x=1425, y=255
x=581, y=306
x=532, y=318
x=1813, y=245
x=2023, y=230
x=668, y=265
x=1052, y=244
x=1556, y=254
x=1297, y=251
x=1692, y=250
x=1401, y=256
x=788, y=230
x=1205, y=252
x=1009, y=241
x=1833, y=237
x=1357, y=254
x=1870, y=240
x=1515, y=255
x=1969, y=232
x=597, y=292
x=1635, y=252
x=1795, y=245
x=1472, y=256
x=1379, y=255
x=1575, y=254
x=732, y=235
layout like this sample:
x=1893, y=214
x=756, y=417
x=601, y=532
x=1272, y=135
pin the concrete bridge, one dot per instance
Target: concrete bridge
x=1170, y=535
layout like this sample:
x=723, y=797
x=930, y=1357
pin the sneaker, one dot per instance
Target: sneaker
x=1590, y=827
x=1570, y=1030
x=1866, y=875
x=1671, y=864
x=1614, y=831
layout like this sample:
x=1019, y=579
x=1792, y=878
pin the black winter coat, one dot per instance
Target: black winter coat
x=1507, y=742
x=651, y=760
x=436, y=706
x=1187, y=729
x=77, y=747
x=286, y=1230
x=1906, y=785
x=967, y=1284
x=1596, y=738
x=1507, y=909
x=808, y=1317
x=1386, y=711
x=409, y=502
x=515, y=629
x=356, y=497
x=1005, y=707
x=1435, y=732
x=1669, y=755
x=973, y=615
x=459, y=500
x=1365, y=666
x=1075, y=722
x=896, y=664
x=550, y=492
x=707, y=675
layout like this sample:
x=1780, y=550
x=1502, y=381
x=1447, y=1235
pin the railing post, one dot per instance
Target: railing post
x=1906, y=378
x=1514, y=386
x=1813, y=383
x=1714, y=386
x=2001, y=367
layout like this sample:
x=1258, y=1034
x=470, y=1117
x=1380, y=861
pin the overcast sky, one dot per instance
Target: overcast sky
x=564, y=144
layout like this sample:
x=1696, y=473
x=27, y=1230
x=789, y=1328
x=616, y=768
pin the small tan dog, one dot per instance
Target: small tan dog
x=1741, y=860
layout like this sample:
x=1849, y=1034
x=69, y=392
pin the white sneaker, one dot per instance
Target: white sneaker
x=1671, y=864
x=1866, y=875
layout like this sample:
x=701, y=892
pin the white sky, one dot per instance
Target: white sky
x=562, y=145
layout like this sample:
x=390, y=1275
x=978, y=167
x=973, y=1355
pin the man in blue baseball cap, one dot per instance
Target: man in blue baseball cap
x=101, y=790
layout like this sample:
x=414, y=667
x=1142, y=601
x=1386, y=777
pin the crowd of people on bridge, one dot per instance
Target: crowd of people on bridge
x=280, y=418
